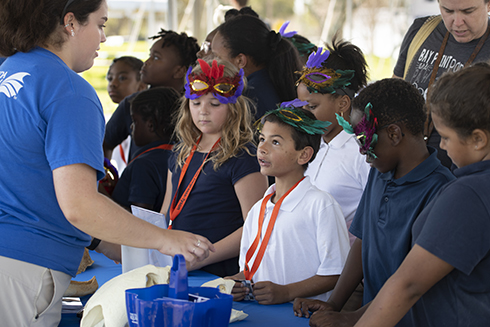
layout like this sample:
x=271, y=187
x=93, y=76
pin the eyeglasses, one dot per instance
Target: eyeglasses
x=63, y=13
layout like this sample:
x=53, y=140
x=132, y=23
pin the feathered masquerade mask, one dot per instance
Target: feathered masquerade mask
x=319, y=79
x=291, y=114
x=365, y=131
x=303, y=48
x=211, y=79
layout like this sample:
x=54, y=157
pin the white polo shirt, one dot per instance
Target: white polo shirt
x=309, y=237
x=341, y=170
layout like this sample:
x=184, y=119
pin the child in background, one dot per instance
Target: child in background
x=328, y=83
x=445, y=275
x=388, y=118
x=144, y=181
x=214, y=177
x=124, y=78
x=294, y=241
x=170, y=57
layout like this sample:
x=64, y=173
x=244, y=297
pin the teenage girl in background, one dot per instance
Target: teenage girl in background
x=445, y=275
x=214, y=177
x=268, y=60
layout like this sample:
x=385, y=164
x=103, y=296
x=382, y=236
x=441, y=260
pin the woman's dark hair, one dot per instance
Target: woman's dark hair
x=134, y=63
x=158, y=105
x=186, y=46
x=25, y=24
x=346, y=56
x=462, y=99
x=394, y=100
x=301, y=139
x=249, y=35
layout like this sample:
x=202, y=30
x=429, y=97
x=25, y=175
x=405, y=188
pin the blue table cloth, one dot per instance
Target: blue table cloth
x=258, y=315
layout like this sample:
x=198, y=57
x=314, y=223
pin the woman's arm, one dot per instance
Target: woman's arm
x=249, y=190
x=271, y=293
x=97, y=215
x=417, y=274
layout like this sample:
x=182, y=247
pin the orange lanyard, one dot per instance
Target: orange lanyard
x=175, y=209
x=162, y=146
x=250, y=273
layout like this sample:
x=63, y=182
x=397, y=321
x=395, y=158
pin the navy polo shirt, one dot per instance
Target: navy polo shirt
x=262, y=92
x=455, y=227
x=145, y=178
x=385, y=215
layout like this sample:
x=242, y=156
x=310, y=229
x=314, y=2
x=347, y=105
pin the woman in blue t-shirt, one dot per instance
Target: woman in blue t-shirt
x=51, y=132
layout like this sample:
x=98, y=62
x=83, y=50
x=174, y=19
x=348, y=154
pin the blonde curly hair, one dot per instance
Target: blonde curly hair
x=236, y=133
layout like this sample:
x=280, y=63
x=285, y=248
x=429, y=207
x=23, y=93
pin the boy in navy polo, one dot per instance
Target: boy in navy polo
x=387, y=120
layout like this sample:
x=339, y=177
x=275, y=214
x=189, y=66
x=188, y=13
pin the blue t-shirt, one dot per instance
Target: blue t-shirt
x=49, y=117
x=262, y=92
x=384, y=218
x=145, y=178
x=455, y=227
x=212, y=208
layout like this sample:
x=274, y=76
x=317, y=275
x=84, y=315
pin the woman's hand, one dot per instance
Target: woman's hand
x=193, y=247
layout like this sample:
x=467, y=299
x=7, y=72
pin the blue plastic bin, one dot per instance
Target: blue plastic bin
x=169, y=305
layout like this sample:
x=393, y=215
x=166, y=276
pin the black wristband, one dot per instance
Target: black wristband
x=95, y=243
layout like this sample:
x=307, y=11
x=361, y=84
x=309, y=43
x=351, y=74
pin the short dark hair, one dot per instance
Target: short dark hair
x=25, y=24
x=134, y=63
x=251, y=36
x=301, y=139
x=346, y=56
x=157, y=104
x=244, y=11
x=394, y=100
x=462, y=99
x=186, y=46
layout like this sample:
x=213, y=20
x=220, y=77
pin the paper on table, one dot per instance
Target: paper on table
x=135, y=257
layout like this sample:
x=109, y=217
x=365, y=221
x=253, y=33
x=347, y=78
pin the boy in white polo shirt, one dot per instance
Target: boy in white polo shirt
x=303, y=243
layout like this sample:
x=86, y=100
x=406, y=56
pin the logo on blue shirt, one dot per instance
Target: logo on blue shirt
x=10, y=86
